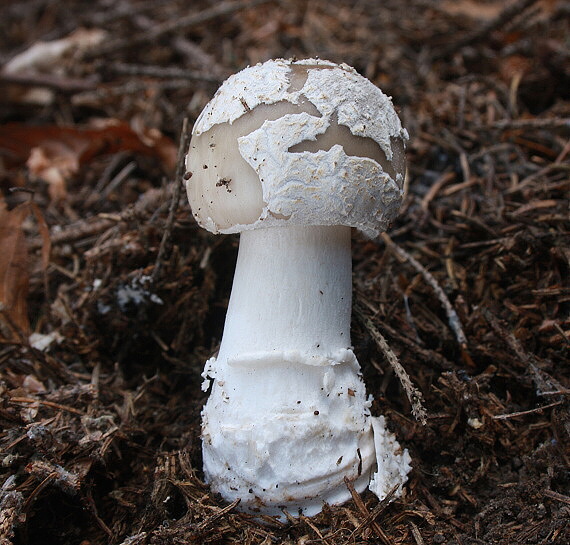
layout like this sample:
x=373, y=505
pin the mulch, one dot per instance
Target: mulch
x=113, y=298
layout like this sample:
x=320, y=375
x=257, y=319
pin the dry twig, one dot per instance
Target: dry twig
x=370, y=516
x=162, y=72
x=482, y=33
x=174, y=26
x=174, y=202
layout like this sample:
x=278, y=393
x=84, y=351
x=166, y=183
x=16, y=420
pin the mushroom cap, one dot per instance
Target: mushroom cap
x=292, y=142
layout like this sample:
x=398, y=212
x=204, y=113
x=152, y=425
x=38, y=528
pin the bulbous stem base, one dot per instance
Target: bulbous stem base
x=288, y=418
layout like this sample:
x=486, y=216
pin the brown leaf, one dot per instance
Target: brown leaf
x=14, y=279
x=54, y=154
x=14, y=269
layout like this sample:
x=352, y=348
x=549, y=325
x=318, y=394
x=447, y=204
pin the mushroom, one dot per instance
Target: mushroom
x=291, y=155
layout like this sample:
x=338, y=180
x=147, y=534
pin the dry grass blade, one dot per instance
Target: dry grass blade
x=431, y=356
x=525, y=413
x=415, y=397
x=452, y=317
x=417, y=534
x=545, y=384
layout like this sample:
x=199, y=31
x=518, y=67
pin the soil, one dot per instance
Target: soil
x=113, y=298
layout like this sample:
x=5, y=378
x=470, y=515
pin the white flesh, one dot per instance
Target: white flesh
x=288, y=417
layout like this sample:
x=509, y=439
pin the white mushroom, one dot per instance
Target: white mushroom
x=292, y=154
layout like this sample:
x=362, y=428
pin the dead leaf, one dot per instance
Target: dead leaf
x=14, y=263
x=55, y=58
x=14, y=279
x=49, y=56
x=55, y=162
x=32, y=385
x=55, y=154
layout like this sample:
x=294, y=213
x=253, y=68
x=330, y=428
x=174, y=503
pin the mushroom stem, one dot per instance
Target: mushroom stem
x=288, y=417
x=292, y=291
